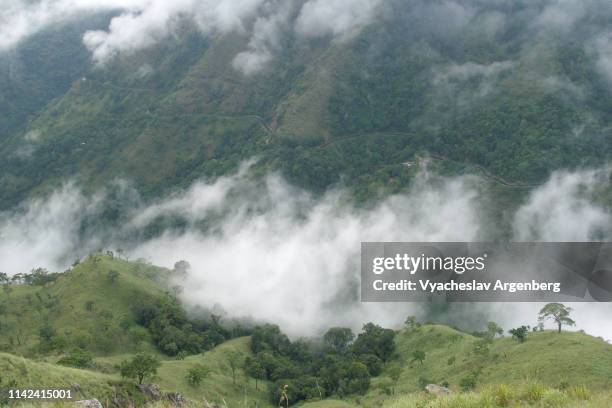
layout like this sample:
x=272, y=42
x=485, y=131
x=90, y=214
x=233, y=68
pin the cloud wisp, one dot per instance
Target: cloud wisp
x=139, y=24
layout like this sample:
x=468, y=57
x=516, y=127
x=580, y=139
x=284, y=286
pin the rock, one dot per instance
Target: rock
x=435, y=389
x=92, y=403
x=151, y=391
x=176, y=399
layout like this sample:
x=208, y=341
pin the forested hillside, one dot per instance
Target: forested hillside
x=491, y=88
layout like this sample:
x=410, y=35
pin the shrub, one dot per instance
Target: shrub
x=468, y=382
x=534, y=392
x=503, y=395
x=196, y=374
x=579, y=392
x=519, y=333
x=77, y=358
x=554, y=399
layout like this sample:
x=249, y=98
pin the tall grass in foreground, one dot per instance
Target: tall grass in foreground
x=500, y=396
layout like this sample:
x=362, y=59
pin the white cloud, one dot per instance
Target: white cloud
x=44, y=233
x=285, y=251
x=562, y=210
x=602, y=46
x=21, y=18
x=274, y=252
x=562, y=14
x=469, y=70
x=265, y=40
x=143, y=23
x=336, y=18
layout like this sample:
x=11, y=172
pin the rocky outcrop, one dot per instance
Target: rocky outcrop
x=435, y=389
x=92, y=403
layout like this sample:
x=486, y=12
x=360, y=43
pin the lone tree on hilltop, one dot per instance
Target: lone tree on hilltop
x=558, y=313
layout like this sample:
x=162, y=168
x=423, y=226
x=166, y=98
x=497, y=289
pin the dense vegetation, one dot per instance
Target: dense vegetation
x=340, y=366
x=167, y=115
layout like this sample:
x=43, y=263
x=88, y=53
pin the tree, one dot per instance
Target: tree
x=234, y=360
x=468, y=382
x=356, y=379
x=375, y=340
x=395, y=372
x=519, y=333
x=4, y=278
x=112, y=276
x=77, y=358
x=140, y=367
x=558, y=313
x=493, y=329
x=46, y=333
x=254, y=369
x=418, y=355
x=411, y=322
x=196, y=374
x=89, y=305
x=338, y=339
x=182, y=267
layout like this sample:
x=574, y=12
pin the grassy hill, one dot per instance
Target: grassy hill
x=88, y=302
x=546, y=357
x=218, y=386
x=89, y=306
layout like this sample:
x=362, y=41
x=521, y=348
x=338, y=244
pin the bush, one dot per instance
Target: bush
x=503, y=395
x=468, y=382
x=555, y=399
x=579, y=392
x=519, y=333
x=77, y=358
x=196, y=374
x=534, y=392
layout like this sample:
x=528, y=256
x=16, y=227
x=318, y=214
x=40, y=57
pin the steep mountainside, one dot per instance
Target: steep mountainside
x=491, y=89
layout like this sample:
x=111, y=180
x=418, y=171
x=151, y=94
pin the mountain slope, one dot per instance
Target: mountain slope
x=519, y=101
x=80, y=305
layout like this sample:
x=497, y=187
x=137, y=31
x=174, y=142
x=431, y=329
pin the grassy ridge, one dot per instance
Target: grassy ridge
x=546, y=357
x=217, y=387
x=19, y=372
x=79, y=306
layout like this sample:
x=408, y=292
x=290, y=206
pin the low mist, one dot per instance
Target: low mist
x=267, y=250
